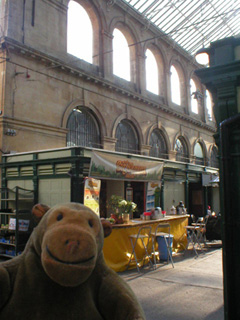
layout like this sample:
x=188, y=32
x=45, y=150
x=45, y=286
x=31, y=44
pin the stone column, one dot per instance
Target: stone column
x=109, y=143
x=107, y=54
x=145, y=149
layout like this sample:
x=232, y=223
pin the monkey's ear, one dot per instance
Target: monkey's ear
x=39, y=211
x=107, y=227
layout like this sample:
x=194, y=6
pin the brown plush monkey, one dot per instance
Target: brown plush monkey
x=62, y=274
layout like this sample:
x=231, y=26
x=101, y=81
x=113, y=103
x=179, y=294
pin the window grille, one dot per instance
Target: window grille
x=214, y=159
x=198, y=153
x=127, y=140
x=83, y=129
x=181, y=149
x=158, y=144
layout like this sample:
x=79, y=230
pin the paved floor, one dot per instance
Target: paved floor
x=192, y=290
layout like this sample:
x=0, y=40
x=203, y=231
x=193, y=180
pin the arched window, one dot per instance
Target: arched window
x=175, y=86
x=79, y=32
x=209, y=104
x=158, y=145
x=194, y=101
x=83, y=129
x=214, y=159
x=127, y=140
x=181, y=150
x=198, y=153
x=151, y=73
x=121, y=55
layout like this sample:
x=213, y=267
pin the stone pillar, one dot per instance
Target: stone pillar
x=172, y=155
x=188, y=99
x=141, y=77
x=109, y=143
x=145, y=149
x=168, y=87
x=107, y=53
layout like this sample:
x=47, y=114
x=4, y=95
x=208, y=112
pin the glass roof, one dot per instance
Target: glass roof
x=193, y=24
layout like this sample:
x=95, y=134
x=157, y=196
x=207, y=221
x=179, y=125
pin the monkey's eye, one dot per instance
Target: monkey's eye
x=90, y=223
x=59, y=217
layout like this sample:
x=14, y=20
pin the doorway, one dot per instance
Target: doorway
x=196, y=199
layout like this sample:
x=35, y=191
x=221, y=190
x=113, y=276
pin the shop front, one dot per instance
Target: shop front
x=61, y=175
x=93, y=177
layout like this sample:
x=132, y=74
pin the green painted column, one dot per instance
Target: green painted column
x=187, y=192
x=162, y=194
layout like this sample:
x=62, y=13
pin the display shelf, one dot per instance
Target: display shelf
x=8, y=213
x=4, y=255
x=15, y=214
x=7, y=244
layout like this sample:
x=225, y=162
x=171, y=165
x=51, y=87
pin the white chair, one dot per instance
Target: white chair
x=143, y=235
x=167, y=240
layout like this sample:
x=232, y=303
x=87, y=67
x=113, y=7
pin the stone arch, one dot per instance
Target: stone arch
x=210, y=151
x=164, y=133
x=203, y=145
x=161, y=66
x=95, y=112
x=135, y=124
x=97, y=21
x=204, y=149
x=131, y=38
x=183, y=137
x=182, y=78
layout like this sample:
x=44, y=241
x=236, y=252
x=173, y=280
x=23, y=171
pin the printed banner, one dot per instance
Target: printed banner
x=153, y=195
x=109, y=166
x=91, y=194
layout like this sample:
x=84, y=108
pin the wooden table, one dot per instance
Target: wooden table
x=117, y=247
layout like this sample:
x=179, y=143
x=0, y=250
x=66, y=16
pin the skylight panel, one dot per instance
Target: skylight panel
x=192, y=24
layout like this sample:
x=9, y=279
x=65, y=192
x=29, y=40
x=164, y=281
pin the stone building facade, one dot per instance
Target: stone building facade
x=41, y=83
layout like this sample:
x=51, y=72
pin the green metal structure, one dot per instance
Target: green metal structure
x=222, y=79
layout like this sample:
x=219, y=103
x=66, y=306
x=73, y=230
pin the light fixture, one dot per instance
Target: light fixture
x=77, y=110
x=202, y=56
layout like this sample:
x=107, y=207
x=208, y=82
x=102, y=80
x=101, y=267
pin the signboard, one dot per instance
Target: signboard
x=153, y=195
x=109, y=166
x=210, y=179
x=23, y=225
x=91, y=194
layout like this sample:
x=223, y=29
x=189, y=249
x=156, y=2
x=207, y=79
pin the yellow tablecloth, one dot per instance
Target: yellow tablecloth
x=117, y=247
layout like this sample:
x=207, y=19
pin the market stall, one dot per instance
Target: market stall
x=117, y=247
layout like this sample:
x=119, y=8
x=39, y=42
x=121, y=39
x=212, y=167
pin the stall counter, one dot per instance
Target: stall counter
x=117, y=247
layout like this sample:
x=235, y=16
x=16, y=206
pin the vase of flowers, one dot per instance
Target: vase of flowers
x=122, y=208
x=127, y=208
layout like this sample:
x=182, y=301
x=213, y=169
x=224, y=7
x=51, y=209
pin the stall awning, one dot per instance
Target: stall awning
x=119, y=167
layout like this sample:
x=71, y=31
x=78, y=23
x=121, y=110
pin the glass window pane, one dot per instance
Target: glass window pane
x=194, y=101
x=83, y=129
x=79, y=32
x=209, y=104
x=198, y=153
x=214, y=159
x=151, y=72
x=175, y=86
x=181, y=150
x=121, y=55
x=158, y=145
x=127, y=140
